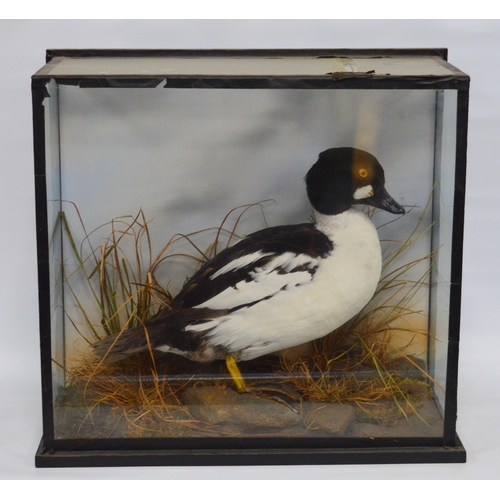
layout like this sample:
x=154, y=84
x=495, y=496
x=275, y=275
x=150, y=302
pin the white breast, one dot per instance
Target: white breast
x=343, y=284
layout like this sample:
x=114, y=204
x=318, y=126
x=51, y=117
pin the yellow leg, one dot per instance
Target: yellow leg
x=235, y=373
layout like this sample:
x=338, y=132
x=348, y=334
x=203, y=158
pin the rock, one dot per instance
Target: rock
x=80, y=422
x=427, y=423
x=371, y=431
x=215, y=406
x=384, y=412
x=104, y=421
x=330, y=418
x=415, y=389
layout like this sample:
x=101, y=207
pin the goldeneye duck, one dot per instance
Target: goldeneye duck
x=281, y=286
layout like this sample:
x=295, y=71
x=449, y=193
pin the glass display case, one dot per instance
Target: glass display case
x=249, y=256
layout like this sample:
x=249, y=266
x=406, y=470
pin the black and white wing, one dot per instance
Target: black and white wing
x=256, y=268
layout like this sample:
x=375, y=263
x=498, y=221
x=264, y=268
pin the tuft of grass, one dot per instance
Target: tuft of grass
x=120, y=271
x=147, y=402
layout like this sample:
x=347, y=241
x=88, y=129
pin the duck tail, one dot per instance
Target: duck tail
x=122, y=345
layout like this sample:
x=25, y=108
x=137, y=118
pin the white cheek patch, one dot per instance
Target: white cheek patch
x=363, y=192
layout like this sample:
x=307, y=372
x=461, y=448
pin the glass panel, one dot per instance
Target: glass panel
x=154, y=182
x=53, y=175
x=442, y=234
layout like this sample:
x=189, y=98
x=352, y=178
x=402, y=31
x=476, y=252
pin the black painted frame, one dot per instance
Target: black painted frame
x=250, y=451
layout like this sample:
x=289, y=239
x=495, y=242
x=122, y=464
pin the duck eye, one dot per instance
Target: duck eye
x=362, y=172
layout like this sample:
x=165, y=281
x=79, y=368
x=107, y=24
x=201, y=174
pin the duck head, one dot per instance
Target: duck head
x=343, y=177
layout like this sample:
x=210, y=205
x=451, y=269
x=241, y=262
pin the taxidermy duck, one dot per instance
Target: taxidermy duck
x=281, y=286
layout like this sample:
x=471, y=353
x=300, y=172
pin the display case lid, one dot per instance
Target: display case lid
x=240, y=63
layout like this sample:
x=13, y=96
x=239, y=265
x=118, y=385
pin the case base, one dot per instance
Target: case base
x=201, y=457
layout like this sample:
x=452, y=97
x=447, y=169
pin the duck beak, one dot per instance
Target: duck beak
x=383, y=200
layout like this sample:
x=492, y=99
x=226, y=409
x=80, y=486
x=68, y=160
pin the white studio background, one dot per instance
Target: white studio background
x=473, y=47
